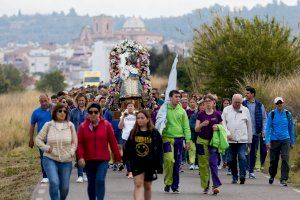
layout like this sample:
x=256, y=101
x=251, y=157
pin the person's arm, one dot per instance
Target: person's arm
x=291, y=129
x=113, y=143
x=186, y=128
x=121, y=123
x=268, y=130
x=80, y=147
x=74, y=139
x=249, y=126
x=264, y=118
x=41, y=138
x=33, y=121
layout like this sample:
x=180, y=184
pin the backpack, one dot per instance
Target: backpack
x=288, y=116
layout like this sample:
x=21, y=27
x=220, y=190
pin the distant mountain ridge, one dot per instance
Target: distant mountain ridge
x=62, y=28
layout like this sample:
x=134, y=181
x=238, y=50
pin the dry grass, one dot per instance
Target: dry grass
x=159, y=82
x=287, y=87
x=268, y=88
x=15, y=115
x=19, y=165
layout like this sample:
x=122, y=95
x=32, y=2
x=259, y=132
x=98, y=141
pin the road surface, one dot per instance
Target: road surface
x=118, y=187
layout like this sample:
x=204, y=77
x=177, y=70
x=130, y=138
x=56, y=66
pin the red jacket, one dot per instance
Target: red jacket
x=93, y=145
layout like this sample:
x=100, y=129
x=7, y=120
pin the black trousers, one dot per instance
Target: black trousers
x=280, y=148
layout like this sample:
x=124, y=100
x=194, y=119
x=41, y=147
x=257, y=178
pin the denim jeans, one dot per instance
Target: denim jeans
x=238, y=152
x=257, y=141
x=127, y=163
x=96, y=173
x=41, y=158
x=59, y=177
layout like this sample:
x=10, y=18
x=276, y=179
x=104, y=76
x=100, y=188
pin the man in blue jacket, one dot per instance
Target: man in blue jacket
x=280, y=138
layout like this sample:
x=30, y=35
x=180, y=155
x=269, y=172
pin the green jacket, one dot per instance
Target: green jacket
x=219, y=139
x=177, y=123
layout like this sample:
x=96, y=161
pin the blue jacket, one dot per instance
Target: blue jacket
x=75, y=117
x=281, y=127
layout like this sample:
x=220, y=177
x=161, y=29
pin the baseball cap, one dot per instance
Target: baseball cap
x=277, y=99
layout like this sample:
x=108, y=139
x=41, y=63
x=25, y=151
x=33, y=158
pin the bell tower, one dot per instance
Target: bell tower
x=103, y=27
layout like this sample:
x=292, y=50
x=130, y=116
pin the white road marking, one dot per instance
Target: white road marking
x=41, y=191
x=296, y=190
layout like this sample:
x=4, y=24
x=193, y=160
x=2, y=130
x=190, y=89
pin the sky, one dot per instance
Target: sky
x=139, y=8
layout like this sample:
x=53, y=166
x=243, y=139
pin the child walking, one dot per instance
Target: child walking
x=144, y=152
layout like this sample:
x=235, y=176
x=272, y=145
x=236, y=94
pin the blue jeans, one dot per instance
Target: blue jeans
x=41, y=158
x=59, y=177
x=238, y=152
x=96, y=173
x=257, y=141
x=127, y=163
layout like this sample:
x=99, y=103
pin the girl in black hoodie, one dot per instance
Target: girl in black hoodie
x=143, y=150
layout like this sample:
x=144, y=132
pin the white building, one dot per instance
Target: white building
x=39, y=61
x=100, y=58
x=1, y=57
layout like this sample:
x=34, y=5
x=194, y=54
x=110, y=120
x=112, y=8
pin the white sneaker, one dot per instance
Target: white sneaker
x=192, y=167
x=45, y=180
x=85, y=177
x=220, y=167
x=79, y=179
x=196, y=167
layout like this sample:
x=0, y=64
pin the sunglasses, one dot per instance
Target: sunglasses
x=93, y=112
x=62, y=111
x=278, y=103
x=64, y=102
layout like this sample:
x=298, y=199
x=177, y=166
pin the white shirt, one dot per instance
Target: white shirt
x=129, y=122
x=238, y=124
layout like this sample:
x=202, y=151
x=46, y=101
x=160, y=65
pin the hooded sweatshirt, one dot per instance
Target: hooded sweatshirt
x=177, y=123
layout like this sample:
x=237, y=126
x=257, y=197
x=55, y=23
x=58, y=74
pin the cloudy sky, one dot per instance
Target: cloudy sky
x=143, y=8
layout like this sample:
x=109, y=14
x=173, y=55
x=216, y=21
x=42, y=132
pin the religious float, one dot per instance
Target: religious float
x=129, y=77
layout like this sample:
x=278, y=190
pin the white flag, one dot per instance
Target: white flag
x=161, y=118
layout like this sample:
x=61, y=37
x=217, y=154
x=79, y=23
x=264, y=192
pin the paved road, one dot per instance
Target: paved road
x=120, y=188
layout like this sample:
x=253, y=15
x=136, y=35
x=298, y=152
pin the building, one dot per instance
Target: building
x=102, y=29
x=38, y=61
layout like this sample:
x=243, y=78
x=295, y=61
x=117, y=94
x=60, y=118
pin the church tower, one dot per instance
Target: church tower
x=102, y=27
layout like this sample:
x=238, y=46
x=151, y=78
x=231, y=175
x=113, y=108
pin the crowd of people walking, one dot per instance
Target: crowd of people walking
x=78, y=127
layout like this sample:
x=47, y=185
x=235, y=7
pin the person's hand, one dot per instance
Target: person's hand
x=50, y=150
x=31, y=143
x=215, y=127
x=268, y=146
x=81, y=162
x=262, y=135
x=187, y=146
x=230, y=137
x=205, y=123
x=291, y=146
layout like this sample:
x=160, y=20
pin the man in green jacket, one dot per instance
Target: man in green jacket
x=177, y=129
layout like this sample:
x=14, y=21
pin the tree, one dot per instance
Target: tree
x=53, y=81
x=10, y=79
x=231, y=48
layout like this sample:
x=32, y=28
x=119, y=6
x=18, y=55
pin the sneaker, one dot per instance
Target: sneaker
x=130, y=175
x=196, y=167
x=220, y=167
x=242, y=180
x=115, y=167
x=192, y=167
x=215, y=191
x=228, y=173
x=167, y=188
x=271, y=180
x=176, y=191
x=234, y=182
x=121, y=167
x=205, y=191
x=79, y=179
x=252, y=176
x=283, y=183
x=45, y=180
x=85, y=177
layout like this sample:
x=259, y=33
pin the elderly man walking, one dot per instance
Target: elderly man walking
x=237, y=120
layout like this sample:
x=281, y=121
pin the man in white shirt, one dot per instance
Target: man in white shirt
x=237, y=120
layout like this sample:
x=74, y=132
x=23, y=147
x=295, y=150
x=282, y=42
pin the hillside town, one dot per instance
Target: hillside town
x=88, y=52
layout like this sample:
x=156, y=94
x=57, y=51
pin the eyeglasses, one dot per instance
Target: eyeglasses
x=62, y=111
x=64, y=102
x=278, y=103
x=96, y=112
